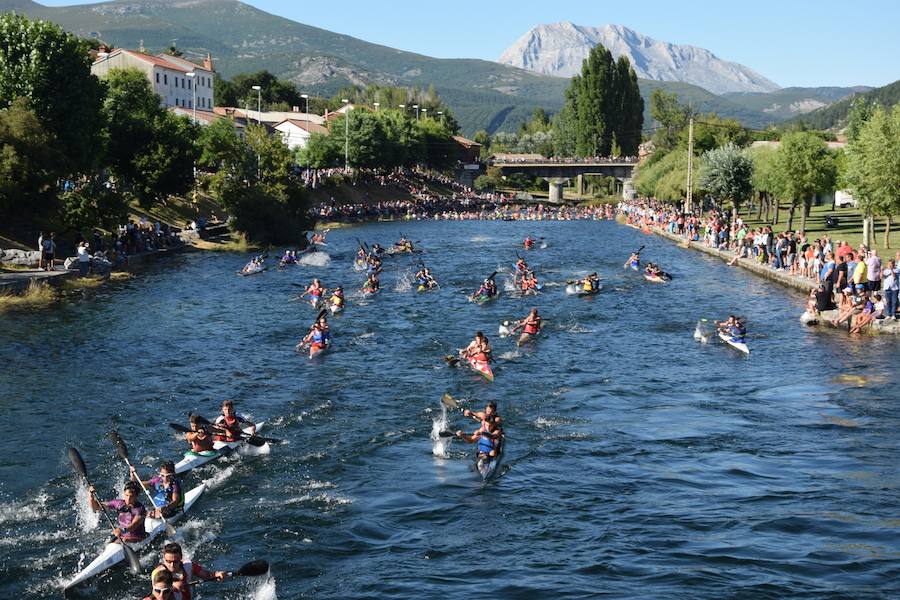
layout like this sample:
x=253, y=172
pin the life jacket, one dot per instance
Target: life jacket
x=203, y=445
x=233, y=425
x=532, y=327
x=337, y=300
x=162, y=493
x=588, y=286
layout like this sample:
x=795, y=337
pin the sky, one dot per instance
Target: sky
x=804, y=43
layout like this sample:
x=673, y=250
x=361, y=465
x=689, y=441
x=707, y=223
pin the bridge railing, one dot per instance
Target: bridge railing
x=594, y=160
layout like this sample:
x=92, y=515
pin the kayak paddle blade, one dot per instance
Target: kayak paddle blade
x=254, y=568
x=448, y=401
x=255, y=442
x=446, y=434
x=119, y=443
x=78, y=463
x=134, y=563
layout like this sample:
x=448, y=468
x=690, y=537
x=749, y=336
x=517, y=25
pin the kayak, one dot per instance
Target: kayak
x=487, y=466
x=734, y=343
x=482, y=298
x=506, y=328
x=252, y=271
x=113, y=553
x=370, y=291
x=336, y=308
x=192, y=460
x=360, y=265
x=314, y=301
x=654, y=278
x=636, y=267
x=482, y=367
x=578, y=290
x=315, y=350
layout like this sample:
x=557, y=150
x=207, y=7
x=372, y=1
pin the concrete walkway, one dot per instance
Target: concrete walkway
x=17, y=281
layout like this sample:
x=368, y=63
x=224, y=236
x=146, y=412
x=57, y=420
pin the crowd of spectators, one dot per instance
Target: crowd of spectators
x=853, y=280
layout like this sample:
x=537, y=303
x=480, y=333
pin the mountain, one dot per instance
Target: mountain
x=835, y=115
x=788, y=103
x=481, y=94
x=560, y=48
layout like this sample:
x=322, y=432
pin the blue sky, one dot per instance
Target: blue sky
x=792, y=42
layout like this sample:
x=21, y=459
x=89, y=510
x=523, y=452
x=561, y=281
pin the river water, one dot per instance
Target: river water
x=640, y=463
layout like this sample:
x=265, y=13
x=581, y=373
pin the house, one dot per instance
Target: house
x=296, y=132
x=274, y=117
x=207, y=117
x=177, y=81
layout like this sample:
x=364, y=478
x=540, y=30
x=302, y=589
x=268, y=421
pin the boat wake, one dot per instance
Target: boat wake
x=440, y=446
x=315, y=259
x=265, y=589
x=404, y=282
x=219, y=478
x=510, y=354
x=192, y=534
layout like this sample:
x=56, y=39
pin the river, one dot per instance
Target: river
x=640, y=463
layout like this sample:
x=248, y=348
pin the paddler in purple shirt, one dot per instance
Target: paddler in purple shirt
x=130, y=512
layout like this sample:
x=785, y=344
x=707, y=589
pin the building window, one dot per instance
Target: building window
x=165, y=79
x=190, y=104
x=189, y=84
x=157, y=78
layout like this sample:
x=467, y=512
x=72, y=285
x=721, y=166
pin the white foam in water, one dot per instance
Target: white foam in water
x=404, y=282
x=194, y=533
x=219, y=478
x=264, y=589
x=315, y=259
x=248, y=450
x=509, y=285
x=440, y=445
x=88, y=520
x=510, y=354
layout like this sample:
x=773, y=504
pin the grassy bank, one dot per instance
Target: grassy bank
x=231, y=243
x=849, y=227
x=38, y=295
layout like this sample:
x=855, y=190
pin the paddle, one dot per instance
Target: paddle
x=122, y=449
x=448, y=401
x=133, y=562
x=254, y=568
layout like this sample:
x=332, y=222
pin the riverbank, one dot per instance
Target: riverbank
x=797, y=283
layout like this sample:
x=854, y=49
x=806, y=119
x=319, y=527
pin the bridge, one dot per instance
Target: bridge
x=557, y=172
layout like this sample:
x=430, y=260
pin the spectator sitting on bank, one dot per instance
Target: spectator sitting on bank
x=84, y=259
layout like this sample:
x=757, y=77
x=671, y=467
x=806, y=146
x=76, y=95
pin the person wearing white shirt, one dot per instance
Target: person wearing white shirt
x=84, y=259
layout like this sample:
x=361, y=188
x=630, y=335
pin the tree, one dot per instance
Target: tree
x=672, y=117
x=805, y=168
x=766, y=181
x=52, y=69
x=221, y=147
x=603, y=103
x=165, y=166
x=726, y=174
x=666, y=178
x=28, y=157
x=873, y=168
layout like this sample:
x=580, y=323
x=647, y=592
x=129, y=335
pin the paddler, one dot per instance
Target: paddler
x=183, y=572
x=337, y=297
x=530, y=325
x=373, y=263
x=168, y=497
x=319, y=335
x=377, y=250
x=734, y=328
x=424, y=278
x=529, y=243
x=315, y=290
x=130, y=512
x=488, y=289
x=231, y=425
x=479, y=348
x=163, y=587
x=372, y=284
x=201, y=441
x=634, y=261
x=532, y=283
x=489, y=434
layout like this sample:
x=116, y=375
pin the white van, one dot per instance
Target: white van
x=843, y=198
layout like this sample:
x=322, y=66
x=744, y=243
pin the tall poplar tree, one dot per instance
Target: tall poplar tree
x=605, y=105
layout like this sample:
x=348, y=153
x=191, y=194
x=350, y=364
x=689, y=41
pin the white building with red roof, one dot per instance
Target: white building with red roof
x=296, y=132
x=168, y=75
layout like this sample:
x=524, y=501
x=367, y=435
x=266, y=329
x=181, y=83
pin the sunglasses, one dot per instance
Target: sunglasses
x=162, y=590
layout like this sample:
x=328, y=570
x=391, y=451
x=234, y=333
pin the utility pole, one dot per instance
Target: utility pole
x=690, y=166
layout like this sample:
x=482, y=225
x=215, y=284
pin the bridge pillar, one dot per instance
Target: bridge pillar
x=628, y=191
x=579, y=184
x=556, y=191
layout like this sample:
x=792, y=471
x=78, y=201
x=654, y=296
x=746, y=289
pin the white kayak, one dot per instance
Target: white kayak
x=113, y=553
x=733, y=343
x=336, y=308
x=192, y=461
x=578, y=290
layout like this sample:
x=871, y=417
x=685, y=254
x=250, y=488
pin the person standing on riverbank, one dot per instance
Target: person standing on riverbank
x=48, y=251
x=890, y=284
x=84, y=259
x=873, y=271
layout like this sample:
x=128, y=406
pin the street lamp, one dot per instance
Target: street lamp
x=402, y=107
x=346, y=135
x=376, y=105
x=193, y=85
x=425, y=113
x=416, y=106
x=441, y=114
x=258, y=103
